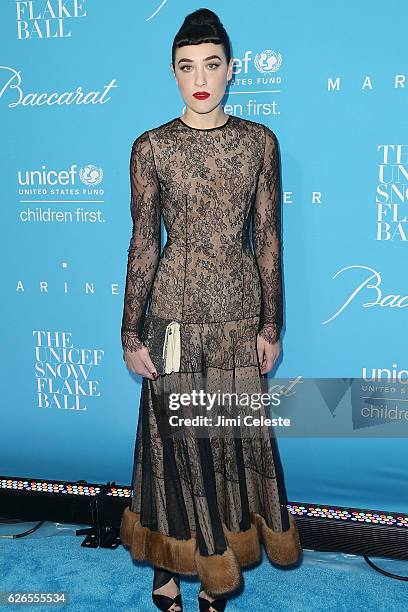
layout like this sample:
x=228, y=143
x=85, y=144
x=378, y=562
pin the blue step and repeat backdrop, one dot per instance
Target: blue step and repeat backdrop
x=79, y=81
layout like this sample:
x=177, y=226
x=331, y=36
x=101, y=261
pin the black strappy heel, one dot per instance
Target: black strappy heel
x=218, y=604
x=162, y=577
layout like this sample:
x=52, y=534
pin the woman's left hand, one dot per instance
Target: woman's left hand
x=267, y=353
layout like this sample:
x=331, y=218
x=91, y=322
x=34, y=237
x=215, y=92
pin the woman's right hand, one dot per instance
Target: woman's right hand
x=139, y=362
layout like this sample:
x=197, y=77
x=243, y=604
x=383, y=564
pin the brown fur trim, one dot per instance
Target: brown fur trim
x=282, y=547
x=219, y=573
x=161, y=550
x=129, y=519
x=245, y=545
x=168, y=552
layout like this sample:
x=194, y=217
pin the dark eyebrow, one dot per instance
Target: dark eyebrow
x=185, y=59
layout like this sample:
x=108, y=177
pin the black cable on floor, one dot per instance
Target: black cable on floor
x=382, y=571
x=23, y=533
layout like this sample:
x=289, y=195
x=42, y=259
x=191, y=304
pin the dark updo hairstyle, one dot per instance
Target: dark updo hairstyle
x=202, y=26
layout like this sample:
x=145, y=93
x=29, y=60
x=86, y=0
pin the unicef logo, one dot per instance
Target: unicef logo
x=268, y=61
x=91, y=175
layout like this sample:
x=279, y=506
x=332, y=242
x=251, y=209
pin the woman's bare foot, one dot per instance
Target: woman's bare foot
x=171, y=590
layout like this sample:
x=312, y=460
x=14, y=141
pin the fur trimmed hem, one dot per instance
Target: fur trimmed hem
x=282, y=547
x=218, y=574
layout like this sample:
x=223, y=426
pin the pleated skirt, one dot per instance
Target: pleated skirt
x=205, y=498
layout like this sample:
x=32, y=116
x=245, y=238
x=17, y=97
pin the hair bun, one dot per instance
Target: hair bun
x=201, y=26
x=202, y=16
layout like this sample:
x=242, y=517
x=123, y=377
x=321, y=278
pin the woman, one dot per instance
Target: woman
x=203, y=502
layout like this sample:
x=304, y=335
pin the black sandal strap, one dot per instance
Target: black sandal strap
x=163, y=576
x=218, y=604
x=163, y=602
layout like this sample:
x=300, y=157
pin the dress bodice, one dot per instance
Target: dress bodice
x=214, y=188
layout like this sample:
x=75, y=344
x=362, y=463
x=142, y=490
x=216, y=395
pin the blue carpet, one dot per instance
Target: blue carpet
x=102, y=579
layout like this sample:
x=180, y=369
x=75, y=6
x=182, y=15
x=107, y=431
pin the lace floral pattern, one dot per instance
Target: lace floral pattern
x=144, y=248
x=208, y=185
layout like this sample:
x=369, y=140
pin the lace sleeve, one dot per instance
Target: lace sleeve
x=144, y=248
x=267, y=239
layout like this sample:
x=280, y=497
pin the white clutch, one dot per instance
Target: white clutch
x=172, y=348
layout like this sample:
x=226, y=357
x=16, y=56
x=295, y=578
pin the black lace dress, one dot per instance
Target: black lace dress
x=202, y=504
